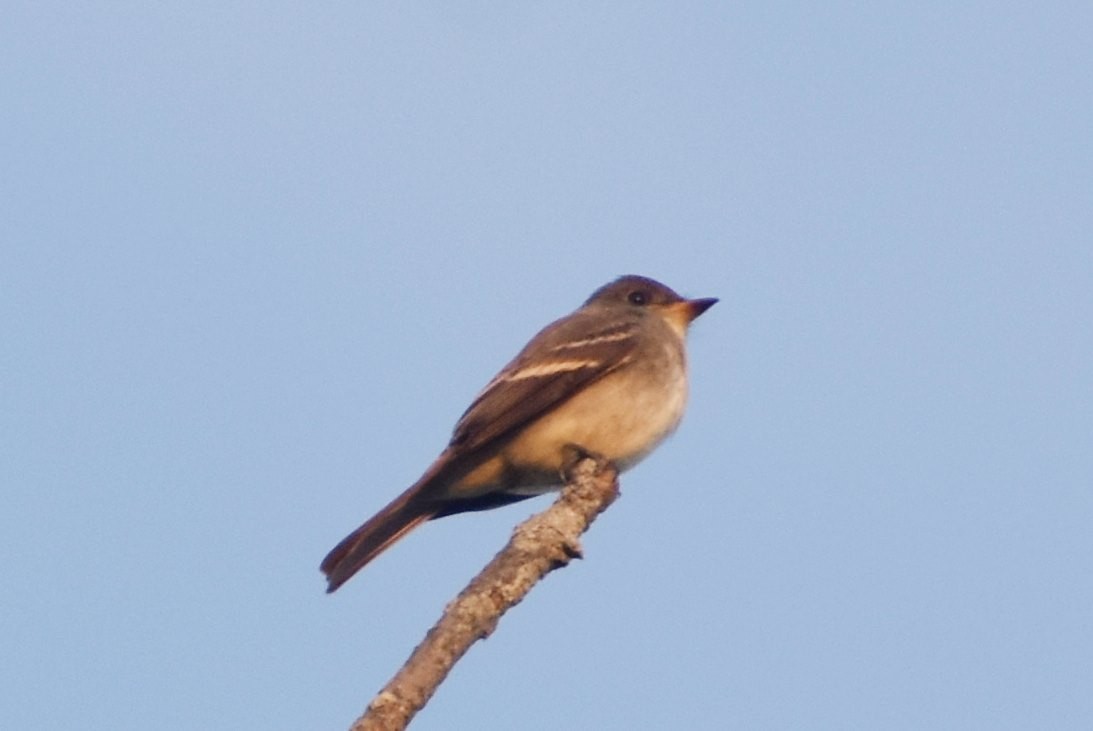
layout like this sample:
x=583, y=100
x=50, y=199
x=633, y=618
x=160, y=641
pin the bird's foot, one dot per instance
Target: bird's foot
x=574, y=454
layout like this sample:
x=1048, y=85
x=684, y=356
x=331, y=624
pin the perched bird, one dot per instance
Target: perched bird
x=609, y=380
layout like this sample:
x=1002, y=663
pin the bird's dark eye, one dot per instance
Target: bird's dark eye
x=637, y=297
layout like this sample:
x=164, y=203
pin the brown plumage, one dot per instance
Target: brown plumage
x=556, y=393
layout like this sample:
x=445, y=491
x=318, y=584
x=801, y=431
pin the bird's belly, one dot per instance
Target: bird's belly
x=621, y=418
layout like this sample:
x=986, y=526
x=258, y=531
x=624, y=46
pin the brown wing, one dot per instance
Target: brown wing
x=563, y=359
x=560, y=361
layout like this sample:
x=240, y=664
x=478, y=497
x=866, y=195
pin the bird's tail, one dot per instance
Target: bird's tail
x=401, y=516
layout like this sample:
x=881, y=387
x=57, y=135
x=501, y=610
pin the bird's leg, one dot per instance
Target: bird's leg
x=573, y=454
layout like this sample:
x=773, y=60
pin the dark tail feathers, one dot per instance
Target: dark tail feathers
x=371, y=539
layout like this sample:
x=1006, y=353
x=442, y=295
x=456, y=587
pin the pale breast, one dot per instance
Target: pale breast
x=622, y=417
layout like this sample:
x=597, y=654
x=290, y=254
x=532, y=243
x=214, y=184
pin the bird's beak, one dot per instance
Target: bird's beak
x=698, y=306
x=680, y=314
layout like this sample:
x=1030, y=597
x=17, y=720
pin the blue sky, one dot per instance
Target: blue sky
x=257, y=258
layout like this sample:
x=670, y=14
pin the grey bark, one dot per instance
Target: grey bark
x=542, y=543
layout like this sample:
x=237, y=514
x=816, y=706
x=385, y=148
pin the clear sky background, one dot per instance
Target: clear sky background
x=257, y=258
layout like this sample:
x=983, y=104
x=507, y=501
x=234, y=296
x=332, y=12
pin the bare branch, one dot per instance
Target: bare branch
x=539, y=545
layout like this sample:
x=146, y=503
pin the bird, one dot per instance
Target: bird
x=609, y=380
